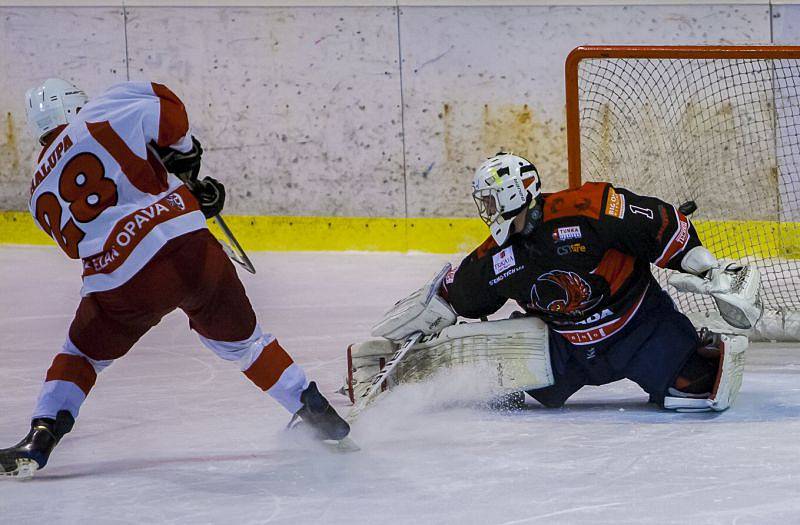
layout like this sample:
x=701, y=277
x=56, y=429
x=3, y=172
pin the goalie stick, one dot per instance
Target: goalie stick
x=374, y=389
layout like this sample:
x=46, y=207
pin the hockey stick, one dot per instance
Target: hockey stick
x=232, y=247
x=230, y=244
x=374, y=389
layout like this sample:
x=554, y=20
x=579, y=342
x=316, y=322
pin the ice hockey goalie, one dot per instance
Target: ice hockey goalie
x=579, y=261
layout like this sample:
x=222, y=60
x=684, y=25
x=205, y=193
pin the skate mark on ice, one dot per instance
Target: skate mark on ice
x=560, y=513
x=16, y=319
x=74, y=471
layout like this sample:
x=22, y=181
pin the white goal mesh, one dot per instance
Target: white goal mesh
x=722, y=130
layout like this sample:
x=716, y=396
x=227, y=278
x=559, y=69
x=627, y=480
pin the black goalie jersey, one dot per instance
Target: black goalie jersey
x=584, y=269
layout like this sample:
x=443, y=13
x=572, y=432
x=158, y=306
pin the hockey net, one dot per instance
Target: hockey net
x=717, y=125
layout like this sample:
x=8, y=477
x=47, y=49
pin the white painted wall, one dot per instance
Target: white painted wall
x=348, y=111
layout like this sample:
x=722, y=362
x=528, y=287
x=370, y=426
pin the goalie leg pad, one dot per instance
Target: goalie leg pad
x=727, y=383
x=364, y=361
x=515, y=350
x=731, y=372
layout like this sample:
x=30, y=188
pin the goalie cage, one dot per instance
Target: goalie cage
x=717, y=125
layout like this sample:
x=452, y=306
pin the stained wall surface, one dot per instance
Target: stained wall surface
x=378, y=111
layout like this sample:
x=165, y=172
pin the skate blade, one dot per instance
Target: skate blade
x=25, y=469
x=343, y=445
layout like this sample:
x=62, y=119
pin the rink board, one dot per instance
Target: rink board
x=424, y=234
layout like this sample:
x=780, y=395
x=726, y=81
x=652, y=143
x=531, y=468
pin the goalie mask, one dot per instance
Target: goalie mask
x=53, y=103
x=503, y=186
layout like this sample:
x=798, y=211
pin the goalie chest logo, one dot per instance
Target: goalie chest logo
x=503, y=260
x=563, y=292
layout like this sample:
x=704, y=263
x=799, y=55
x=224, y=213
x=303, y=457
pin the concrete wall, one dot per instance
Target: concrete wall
x=376, y=111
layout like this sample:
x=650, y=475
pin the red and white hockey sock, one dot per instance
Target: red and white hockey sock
x=266, y=364
x=274, y=372
x=69, y=379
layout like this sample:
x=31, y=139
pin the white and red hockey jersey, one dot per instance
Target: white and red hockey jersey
x=103, y=195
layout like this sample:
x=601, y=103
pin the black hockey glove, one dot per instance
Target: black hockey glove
x=185, y=165
x=210, y=194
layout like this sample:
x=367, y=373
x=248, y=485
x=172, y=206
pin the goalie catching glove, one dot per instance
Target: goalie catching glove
x=423, y=311
x=734, y=287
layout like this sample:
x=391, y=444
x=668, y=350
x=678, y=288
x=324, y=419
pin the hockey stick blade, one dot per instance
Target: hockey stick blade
x=343, y=445
x=374, y=389
x=232, y=246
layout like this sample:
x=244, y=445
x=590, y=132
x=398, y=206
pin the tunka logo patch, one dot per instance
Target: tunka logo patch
x=503, y=260
x=567, y=233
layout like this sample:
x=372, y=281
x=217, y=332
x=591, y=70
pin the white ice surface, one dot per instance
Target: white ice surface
x=171, y=434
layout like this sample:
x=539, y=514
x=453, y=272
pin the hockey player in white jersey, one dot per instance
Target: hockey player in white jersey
x=105, y=190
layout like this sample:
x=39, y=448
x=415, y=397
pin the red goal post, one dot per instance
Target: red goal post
x=716, y=124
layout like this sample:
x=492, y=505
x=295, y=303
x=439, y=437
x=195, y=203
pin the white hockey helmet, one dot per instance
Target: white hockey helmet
x=51, y=104
x=503, y=186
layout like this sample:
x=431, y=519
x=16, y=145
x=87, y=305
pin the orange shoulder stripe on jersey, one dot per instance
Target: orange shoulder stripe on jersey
x=485, y=247
x=615, y=267
x=173, y=122
x=72, y=368
x=266, y=370
x=586, y=201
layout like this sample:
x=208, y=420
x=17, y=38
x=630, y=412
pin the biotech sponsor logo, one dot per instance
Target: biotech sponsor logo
x=508, y=273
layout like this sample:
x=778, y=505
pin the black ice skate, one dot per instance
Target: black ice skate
x=31, y=454
x=318, y=414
